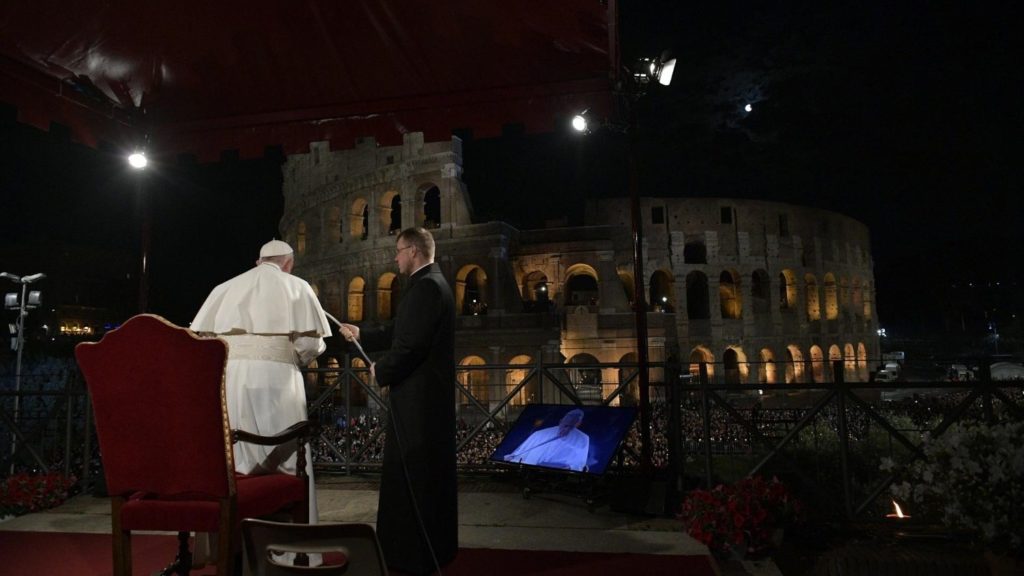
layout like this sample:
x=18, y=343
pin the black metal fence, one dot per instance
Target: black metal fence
x=827, y=439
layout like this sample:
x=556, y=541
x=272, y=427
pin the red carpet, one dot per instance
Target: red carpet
x=66, y=554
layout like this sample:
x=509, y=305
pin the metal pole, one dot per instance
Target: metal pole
x=17, y=372
x=144, y=262
x=640, y=310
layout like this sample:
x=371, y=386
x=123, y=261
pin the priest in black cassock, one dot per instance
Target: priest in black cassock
x=418, y=371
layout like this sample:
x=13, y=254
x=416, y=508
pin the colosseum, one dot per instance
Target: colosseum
x=762, y=291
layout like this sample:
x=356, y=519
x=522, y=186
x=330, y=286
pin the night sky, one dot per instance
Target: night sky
x=903, y=117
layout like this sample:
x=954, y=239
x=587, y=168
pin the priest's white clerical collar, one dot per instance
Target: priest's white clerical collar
x=420, y=268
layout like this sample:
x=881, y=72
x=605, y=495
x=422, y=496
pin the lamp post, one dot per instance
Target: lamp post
x=26, y=302
x=139, y=162
x=630, y=89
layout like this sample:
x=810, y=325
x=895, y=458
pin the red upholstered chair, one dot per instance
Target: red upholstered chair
x=158, y=395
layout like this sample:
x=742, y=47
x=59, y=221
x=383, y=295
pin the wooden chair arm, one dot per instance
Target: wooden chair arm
x=298, y=431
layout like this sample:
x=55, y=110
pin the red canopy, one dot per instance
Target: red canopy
x=203, y=76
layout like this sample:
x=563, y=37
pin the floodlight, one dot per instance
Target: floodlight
x=138, y=160
x=579, y=122
x=665, y=73
x=35, y=298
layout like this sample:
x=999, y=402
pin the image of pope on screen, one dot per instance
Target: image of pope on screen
x=562, y=446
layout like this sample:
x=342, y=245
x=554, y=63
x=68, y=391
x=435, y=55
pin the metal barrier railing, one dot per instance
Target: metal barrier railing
x=699, y=421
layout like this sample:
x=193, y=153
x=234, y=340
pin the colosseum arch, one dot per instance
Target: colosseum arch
x=300, y=239
x=474, y=380
x=581, y=282
x=811, y=296
x=817, y=364
x=430, y=196
x=698, y=305
x=735, y=365
x=729, y=296
x=316, y=289
x=831, y=297
x=587, y=381
x=356, y=289
x=862, y=361
x=760, y=292
x=389, y=213
x=662, y=294
x=514, y=376
x=388, y=295
x=360, y=382
x=835, y=354
x=702, y=354
x=794, y=364
x=471, y=290
x=333, y=224
x=849, y=363
x=535, y=287
x=766, y=369
x=787, y=290
x=359, y=219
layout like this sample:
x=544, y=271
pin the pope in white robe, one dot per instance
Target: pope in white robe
x=561, y=446
x=273, y=324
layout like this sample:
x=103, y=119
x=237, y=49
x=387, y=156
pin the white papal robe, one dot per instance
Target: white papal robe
x=546, y=448
x=273, y=323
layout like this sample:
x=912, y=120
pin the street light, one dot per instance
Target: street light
x=634, y=86
x=28, y=301
x=138, y=161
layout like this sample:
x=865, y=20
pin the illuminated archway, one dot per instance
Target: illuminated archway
x=849, y=363
x=388, y=295
x=702, y=354
x=787, y=290
x=794, y=364
x=359, y=219
x=431, y=207
x=474, y=380
x=835, y=354
x=389, y=213
x=587, y=381
x=662, y=295
x=735, y=365
x=535, y=287
x=514, y=376
x=471, y=290
x=355, y=299
x=862, y=361
x=581, y=285
x=817, y=364
x=729, y=296
x=766, y=370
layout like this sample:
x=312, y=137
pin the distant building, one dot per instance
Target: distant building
x=770, y=292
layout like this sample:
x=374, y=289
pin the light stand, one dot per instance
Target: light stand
x=28, y=301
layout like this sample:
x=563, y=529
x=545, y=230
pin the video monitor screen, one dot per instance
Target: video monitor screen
x=565, y=437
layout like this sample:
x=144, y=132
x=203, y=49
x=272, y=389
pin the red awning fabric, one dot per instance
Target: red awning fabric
x=202, y=77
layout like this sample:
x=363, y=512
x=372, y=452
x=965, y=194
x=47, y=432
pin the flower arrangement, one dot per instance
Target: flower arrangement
x=23, y=493
x=743, y=516
x=973, y=478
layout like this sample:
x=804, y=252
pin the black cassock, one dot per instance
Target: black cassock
x=419, y=371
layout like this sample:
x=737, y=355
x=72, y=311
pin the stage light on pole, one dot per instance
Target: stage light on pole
x=28, y=301
x=138, y=160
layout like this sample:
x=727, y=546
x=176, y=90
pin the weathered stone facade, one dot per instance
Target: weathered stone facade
x=769, y=292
